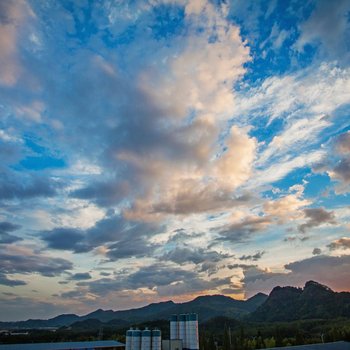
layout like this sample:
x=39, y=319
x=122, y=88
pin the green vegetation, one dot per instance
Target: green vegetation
x=220, y=333
x=314, y=301
x=235, y=335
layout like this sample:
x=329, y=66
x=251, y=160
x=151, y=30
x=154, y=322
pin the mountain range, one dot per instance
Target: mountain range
x=283, y=304
x=314, y=301
x=206, y=306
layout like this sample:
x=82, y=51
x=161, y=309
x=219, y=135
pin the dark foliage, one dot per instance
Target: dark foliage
x=315, y=301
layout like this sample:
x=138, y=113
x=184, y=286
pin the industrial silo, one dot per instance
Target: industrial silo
x=188, y=332
x=182, y=329
x=188, y=336
x=156, y=340
x=128, y=345
x=174, y=327
x=146, y=340
x=136, y=340
x=193, y=332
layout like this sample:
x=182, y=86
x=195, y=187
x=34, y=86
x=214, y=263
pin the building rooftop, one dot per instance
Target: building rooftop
x=339, y=345
x=83, y=345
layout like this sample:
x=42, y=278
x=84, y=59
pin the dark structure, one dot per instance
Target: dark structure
x=85, y=345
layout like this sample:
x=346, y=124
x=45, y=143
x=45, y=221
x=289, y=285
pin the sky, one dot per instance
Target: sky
x=164, y=149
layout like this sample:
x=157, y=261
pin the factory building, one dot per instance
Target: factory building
x=183, y=335
x=184, y=327
x=84, y=345
x=172, y=344
x=143, y=340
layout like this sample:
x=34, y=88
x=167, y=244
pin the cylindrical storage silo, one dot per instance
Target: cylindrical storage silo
x=187, y=341
x=156, y=340
x=146, y=339
x=174, y=329
x=128, y=339
x=136, y=340
x=188, y=330
x=182, y=330
x=193, y=326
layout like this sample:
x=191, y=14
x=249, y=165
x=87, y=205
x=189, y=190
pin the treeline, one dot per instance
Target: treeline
x=245, y=339
x=219, y=333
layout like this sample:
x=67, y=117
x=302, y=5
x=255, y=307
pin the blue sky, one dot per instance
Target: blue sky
x=156, y=150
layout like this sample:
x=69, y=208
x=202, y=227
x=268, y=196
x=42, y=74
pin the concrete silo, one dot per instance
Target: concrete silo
x=156, y=340
x=146, y=340
x=174, y=327
x=136, y=340
x=182, y=329
x=185, y=328
x=128, y=344
x=188, y=336
x=193, y=332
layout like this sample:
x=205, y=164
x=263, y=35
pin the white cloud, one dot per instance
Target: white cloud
x=192, y=188
x=306, y=102
x=286, y=208
x=282, y=167
x=328, y=26
x=33, y=111
x=197, y=86
x=341, y=243
x=297, y=133
x=276, y=38
x=325, y=269
x=13, y=16
x=311, y=92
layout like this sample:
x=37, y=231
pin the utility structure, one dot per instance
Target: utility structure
x=143, y=340
x=184, y=327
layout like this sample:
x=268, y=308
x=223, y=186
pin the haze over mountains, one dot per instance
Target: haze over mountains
x=314, y=301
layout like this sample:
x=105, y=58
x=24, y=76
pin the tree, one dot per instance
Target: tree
x=242, y=344
x=270, y=342
x=278, y=337
x=299, y=337
x=260, y=344
x=203, y=341
x=226, y=343
x=234, y=343
x=211, y=343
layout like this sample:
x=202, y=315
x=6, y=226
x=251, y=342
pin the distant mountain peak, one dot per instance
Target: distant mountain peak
x=213, y=296
x=313, y=284
x=166, y=302
x=258, y=295
x=287, y=289
x=314, y=301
